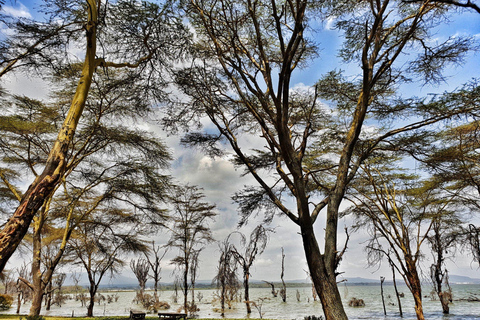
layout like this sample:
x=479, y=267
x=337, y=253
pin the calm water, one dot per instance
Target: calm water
x=274, y=308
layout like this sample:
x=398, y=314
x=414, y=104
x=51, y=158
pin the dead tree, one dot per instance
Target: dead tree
x=155, y=267
x=271, y=284
x=382, y=279
x=256, y=246
x=140, y=268
x=226, y=279
x=283, y=291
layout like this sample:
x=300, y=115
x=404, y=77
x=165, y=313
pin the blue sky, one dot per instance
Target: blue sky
x=220, y=179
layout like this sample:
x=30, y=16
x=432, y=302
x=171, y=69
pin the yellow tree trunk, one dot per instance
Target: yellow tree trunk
x=45, y=183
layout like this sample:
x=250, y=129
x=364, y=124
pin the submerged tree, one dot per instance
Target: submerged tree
x=155, y=267
x=248, y=55
x=226, y=278
x=140, y=269
x=246, y=256
x=189, y=232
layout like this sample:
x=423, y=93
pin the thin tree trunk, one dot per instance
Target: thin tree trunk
x=49, y=295
x=396, y=290
x=382, y=279
x=246, y=275
x=37, y=283
x=284, y=286
x=185, y=289
x=19, y=302
x=43, y=186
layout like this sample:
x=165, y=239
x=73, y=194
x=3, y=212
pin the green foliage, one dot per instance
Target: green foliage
x=5, y=301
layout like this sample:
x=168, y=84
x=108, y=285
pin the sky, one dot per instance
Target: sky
x=220, y=179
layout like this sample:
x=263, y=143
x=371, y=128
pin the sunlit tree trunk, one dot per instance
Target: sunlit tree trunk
x=43, y=186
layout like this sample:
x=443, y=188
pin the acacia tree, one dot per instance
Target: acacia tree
x=99, y=245
x=245, y=258
x=149, y=32
x=401, y=213
x=100, y=137
x=248, y=53
x=189, y=232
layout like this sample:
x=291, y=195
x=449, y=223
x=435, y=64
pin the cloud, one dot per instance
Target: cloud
x=330, y=23
x=20, y=12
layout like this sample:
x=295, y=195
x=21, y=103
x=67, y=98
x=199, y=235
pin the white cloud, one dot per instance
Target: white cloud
x=20, y=12
x=329, y=25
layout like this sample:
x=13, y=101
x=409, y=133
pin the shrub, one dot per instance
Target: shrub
x=5, y=301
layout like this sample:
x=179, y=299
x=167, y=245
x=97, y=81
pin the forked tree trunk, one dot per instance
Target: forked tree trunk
x=43, y=186
x=324, y=280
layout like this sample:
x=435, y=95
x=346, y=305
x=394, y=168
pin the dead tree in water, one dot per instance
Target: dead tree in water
x=382, y=279
x=283, y=291
x=271, y=284
x=256, y=246
x=392, y=265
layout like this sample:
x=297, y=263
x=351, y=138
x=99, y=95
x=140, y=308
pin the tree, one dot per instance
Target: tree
x=189, y=232
x=94, y=164
x=140, y=269
x=155, y=267
x=245, y=258
x=226, y=278
x=149, y=32
x=401, y=211
x=248, y=53
x=99, y=246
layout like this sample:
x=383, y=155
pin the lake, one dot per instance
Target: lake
x=274, y=308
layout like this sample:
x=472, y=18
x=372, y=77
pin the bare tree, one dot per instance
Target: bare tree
x=226, y=278
x=155, y=267
x=140, y=269
x=283, y=291
x=246, y=256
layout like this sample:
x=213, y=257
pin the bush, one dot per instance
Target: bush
x=5, y=301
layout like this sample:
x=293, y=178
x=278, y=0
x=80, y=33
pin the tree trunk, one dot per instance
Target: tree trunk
x=19, y=302
x=93, y=291
x=185, y=289
x=43, y=186
x=49, y=295
x=382, y=279
x=36, y=304
x=37, y=283
x=415, y=286
x=324, y=281
x=396, y=290
x=246, y=275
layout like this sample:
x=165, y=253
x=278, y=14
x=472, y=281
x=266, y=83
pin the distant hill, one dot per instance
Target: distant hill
x=126, y=282
x=462, y=279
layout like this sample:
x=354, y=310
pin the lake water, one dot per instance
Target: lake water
x=274, y=308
